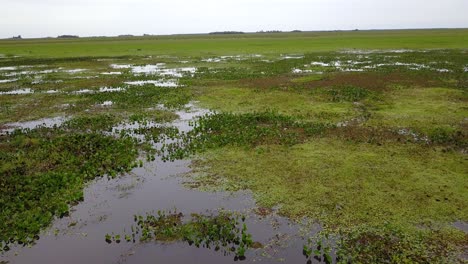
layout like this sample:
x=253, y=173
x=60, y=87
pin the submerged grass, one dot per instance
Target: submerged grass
x=224, y=231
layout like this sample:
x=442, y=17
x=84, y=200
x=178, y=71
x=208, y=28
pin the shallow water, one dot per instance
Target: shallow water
x=111, y=89
x=8, y=80
x=109, y=206
x=45, y=122
x=157, y=83
x=18, y=92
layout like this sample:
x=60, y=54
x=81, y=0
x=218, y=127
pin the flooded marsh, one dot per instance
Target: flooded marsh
x=355, y=155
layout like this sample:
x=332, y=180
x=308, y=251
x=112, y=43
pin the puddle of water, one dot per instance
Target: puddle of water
x=51, y=92
x=111, y=89
x=84, y=77
x=463, y=226
x=111, y=73
x=298, y=71
x=73, y=71
x=8, y=80
x=291, y=57
x=178, y=72
x=83, y=91
x=10, y=74
x=121, y=66
x=106, y=103
x=12, y=71
x=352, y=70
x=18, y=92
x=357, y=66
x=443, y=70
x=318, y=63
x=160, y=69
x=148, y=69
x=157, y=83
x=8, y=68
x=231, y=57
x=377, y=51
x=109, y=206
x=212, y=60
x=45, y=122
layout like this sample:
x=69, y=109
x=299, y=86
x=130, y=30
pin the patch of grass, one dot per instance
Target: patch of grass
x=422, y=109
x=307, y=106
x=344, y=183
x=308, y=78
x=195, y=45
x=347, y=94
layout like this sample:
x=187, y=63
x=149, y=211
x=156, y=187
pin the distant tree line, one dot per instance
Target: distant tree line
x=68, y=36
x=277, y=31
x=226, y=32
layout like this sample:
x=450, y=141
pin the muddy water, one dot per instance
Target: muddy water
x=109, y=206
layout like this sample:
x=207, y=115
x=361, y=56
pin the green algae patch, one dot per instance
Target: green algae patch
x=248, y=130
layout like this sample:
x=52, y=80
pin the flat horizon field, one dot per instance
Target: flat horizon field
x=314, y=147
x=261, y=43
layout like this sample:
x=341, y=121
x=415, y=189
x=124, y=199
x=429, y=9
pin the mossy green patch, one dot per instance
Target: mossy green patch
x=424, y=110
x=305, y=105
x=343, y=183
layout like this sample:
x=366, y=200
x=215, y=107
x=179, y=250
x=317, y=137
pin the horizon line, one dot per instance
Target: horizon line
x=240, y=32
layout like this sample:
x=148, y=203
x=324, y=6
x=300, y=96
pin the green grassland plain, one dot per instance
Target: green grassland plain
x=197, y=45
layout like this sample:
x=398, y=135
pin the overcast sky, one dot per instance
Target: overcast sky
x=41, y=18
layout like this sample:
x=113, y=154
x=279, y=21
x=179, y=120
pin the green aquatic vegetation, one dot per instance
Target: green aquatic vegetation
x=249, y=129
x=152, y=115
x=224, y=231
x=97, y=123
x=157, y=134
x=44, y=170
x=386, y=244
x=145, y=96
